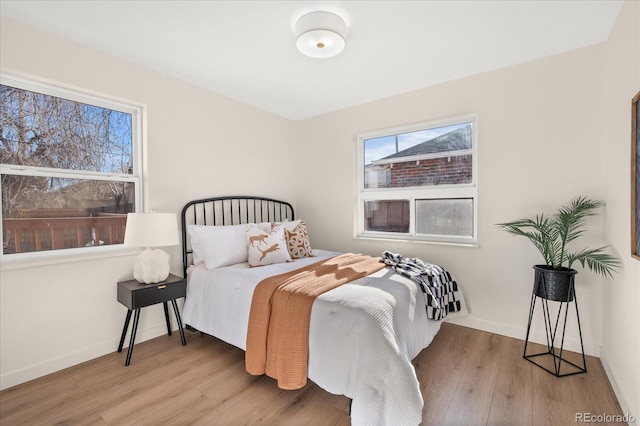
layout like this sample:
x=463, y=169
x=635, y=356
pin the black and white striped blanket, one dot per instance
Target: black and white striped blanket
x=440, y=289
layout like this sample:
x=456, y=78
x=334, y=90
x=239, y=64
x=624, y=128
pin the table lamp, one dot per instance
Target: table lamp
x=151, y=230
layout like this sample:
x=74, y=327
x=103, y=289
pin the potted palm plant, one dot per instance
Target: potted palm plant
x=551, y=236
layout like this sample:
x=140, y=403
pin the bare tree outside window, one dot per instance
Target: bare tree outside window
x=67, y=172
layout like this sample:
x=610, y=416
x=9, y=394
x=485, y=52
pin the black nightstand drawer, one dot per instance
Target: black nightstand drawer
x=157, y=293
x=135, y=295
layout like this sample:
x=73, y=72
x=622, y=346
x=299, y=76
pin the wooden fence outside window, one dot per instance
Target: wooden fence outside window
x=21, y=235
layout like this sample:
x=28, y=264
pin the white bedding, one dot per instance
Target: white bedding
x=362, y=338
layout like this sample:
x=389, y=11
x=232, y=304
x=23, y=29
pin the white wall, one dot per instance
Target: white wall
x=621, y=319
x=199, y=144
x=539, y=145
x=548, y=130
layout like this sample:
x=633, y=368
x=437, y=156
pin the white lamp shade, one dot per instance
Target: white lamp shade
x=320, y=34
x=151, y=230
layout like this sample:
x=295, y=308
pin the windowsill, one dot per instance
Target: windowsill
x=69, y=256
x=404, y=240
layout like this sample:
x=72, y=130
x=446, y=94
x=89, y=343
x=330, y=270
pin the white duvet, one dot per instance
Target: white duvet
x=362, y=338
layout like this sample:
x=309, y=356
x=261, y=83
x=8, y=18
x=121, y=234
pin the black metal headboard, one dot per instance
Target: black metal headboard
x=230, y=210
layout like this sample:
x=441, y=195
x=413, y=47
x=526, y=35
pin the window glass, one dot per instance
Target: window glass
x=438, y=156
x=387, y=216
x=419, y=182
x=48, y=131
x=68, y=168
x=445, y=217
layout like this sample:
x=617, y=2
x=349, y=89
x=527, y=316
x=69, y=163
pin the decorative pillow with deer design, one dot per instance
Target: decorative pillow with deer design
x=267, y=248
x=297, y=237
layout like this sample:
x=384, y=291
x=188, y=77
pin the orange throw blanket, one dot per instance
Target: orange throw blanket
x=278, y=335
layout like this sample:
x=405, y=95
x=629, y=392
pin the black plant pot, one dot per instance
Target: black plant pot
x=553, y=284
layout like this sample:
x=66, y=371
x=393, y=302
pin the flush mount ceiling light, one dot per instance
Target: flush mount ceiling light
x=320, y=34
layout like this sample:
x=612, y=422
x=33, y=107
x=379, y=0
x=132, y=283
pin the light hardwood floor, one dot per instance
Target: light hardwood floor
x=468, y=377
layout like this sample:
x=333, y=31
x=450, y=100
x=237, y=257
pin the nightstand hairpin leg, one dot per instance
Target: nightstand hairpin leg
x=136, y=317
x=175, y=309
x=166, y=317
x=124, y=330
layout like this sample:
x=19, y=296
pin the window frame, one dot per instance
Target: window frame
x=447, y=191
x=137, y=112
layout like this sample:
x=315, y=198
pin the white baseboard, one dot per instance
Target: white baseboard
x=571, y=344
x=14, y=378
x=632, y=414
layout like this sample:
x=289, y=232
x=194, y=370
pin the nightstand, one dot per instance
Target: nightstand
x=135, y=296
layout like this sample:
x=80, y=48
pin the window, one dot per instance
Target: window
x=419, y=183
x=70, y=169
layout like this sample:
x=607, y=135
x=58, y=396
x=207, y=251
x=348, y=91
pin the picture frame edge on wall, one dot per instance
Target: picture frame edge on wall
x=635, y=177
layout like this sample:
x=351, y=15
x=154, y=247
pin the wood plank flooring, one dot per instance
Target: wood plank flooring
x=468, y=377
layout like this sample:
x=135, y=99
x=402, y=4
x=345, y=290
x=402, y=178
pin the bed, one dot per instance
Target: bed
x=362, y=335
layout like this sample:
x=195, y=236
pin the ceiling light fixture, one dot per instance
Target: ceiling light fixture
x=320, y=34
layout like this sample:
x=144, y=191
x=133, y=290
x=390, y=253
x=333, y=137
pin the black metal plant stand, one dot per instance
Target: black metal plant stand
x=540, y=291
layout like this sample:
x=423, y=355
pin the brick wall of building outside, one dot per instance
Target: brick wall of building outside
x=437, y=171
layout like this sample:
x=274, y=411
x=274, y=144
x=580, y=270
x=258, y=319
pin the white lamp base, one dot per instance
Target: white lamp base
x=151, y=266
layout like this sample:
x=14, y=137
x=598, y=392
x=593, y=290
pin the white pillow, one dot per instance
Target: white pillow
x=265, y=226
x=218, y=246
x=288, y=225
x=266, y=248
x=196, y=245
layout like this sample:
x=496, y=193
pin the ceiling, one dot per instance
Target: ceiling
x=246, y=49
